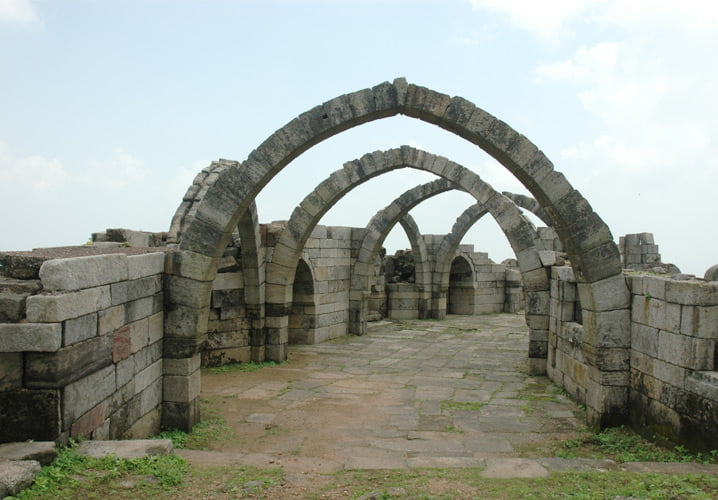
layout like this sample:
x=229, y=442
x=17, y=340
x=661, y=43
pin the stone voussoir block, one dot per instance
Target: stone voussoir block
x=76, y=273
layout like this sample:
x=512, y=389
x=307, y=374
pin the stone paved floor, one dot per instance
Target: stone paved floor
x=420, y=393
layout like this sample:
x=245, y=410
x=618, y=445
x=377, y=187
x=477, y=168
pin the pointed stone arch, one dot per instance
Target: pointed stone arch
x=462, y=286
x=302, y=313
x=585, y=238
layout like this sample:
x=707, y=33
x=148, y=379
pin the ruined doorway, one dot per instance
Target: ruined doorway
x=461, y=287
x=302, y=315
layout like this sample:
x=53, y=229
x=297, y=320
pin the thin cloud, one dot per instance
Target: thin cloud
x=32, y=175
x=549, y=20
x=18, y=12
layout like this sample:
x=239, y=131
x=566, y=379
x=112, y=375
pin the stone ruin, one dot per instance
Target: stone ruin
x=106, y=341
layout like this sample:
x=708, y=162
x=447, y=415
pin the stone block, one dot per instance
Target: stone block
x=86, y=424
x=692, y=292
x=669, y=373
x=146, y=377
x=275, y=352
x=127, y=291
x=30, y=337
x=156, y=327
x=644, y=339
x=608, y=329
x=122, y=344
x=425, y=103
x=182, y=366
x=146, y=426
x=86, y=393
x=139, y=309
x=11, y=367
x=703, y=384
x=29, y=415
x=228, y=281
x=83, y=272
x=43, y=452
x=17, y=475
x=605, y=295
x=700, y=321
x=60, y=368
x=190, y=265
x=181, y=389
x=684, y=351
x=186, y=322
x=56, y=308
x=12, y=307
x=141, y=266
x=109, y=320
x=125, y=450
x=125, y=371
x=139, y=335
x=151, y=397
x=79, y=329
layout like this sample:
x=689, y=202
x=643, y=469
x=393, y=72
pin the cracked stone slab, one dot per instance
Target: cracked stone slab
x=125, y=449
x=16, y=475
x=40, y=451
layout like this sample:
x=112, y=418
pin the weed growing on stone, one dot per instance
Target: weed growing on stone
x=450, y=405
x=213, y=428
x=467, y=483
x=71, y=473
x=242, y=367
x=623, y=445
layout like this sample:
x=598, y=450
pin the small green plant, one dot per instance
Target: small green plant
x=212, y=428
x=623, y=445
x=242, y=367
x=449, y=405
x=71, y=472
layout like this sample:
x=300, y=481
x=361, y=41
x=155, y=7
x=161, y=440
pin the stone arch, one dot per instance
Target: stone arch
x=529, y=204
x=446, y=252
x=422, y=262
x=518, y=230
x=462, y=286
x=584, y=236
x=302, y=314
x=384, y=221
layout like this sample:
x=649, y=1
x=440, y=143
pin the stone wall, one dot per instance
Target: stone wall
x=84, y=356
x=673, y=386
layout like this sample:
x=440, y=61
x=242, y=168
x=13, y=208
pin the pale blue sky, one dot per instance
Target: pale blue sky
x=109, y=108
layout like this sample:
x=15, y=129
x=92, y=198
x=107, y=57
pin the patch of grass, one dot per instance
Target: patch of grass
x=450, y=405
x=70, y=474
x=453, y=428
x=212, y=428
x=466, y=483
x=623, y=445
x=242, y=367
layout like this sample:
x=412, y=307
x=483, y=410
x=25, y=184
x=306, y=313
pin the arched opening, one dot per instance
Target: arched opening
x=584, y=236
x=302, y=314
x=462, y=287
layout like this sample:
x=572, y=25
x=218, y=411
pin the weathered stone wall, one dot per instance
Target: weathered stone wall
x=673, y=386
x=328, y=252
x=85, y=356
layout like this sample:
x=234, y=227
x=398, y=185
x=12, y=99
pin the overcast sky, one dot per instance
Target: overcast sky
x=109, y=108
